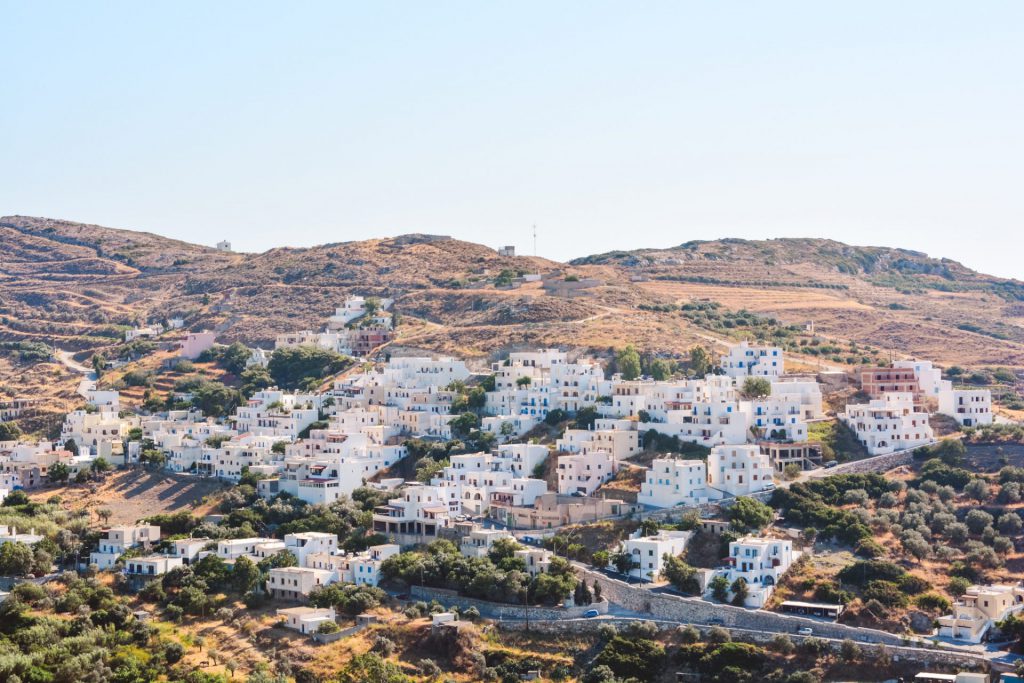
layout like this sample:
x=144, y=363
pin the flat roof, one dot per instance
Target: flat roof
x=819, y=605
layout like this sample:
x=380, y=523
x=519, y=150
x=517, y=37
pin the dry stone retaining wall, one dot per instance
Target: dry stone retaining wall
x=663, y=606
x=930, y=657
x=497, y=610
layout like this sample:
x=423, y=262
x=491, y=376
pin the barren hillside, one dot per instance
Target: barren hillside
x=78, y=286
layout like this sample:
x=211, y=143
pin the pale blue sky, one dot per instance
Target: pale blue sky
x=612, y=125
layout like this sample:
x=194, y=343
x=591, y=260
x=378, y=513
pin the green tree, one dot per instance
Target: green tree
x=9, y=431
x=633, y=657
x=58, y=473
x=16, y=559
x=748, y=514
x=740, y=592
x=700, y=361
x=234, y=358
x=756, y=387
x=622, y=561
x=293, y=367
x=660, y=370
x=680, y=574
x=245, y=575
x=719, y=588
x=215, y=399
x=627, y=361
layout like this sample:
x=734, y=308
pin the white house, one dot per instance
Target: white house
x=296, y=583
x=231, y=549
x=889, y=424
x=929, y=377
x=151, y=565
x=10, y=534
x=119, y=539
x=420, y=512
x=739, y=470
x=365, y=567
x=648, y=552
x=187, y=549
x=306, y=619
x=618, y=437
x=744, y=360
x=671, y=482
x=304, y=543
x=760, y=562
x=478, y=542
x=583, y=473
x=536, y=560
x=969, y=407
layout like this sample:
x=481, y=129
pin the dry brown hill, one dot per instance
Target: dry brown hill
x=78, y=286
x=892, y=298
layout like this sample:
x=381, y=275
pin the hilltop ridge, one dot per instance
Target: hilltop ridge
x=81, y=285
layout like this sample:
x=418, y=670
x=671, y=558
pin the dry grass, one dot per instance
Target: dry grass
x=131, y=495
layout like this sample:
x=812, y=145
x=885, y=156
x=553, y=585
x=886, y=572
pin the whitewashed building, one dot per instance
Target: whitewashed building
x=969, y=407
x=670, y=482
x=583, y=473
x=648, y=552
x=744, y=360
x=739, y=470
x=889, y=424
x=760, y=562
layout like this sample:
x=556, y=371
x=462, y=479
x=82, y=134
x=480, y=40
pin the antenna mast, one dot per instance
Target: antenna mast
x=535, y=239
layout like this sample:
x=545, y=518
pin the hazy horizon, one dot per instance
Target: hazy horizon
x=610, y=127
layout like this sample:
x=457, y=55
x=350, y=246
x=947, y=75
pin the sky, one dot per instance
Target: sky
x=608, y=125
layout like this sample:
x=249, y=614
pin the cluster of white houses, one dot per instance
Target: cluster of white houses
x=901, y=401
x=318, y=447
x=759, y=562
x=357, y=327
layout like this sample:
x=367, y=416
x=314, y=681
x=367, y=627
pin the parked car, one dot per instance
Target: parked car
x=831, y=463
x=805, y=631
x=590, y=614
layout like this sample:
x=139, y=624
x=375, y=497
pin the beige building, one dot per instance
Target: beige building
x=978, y=609
x=553, y=510
x=296, y=583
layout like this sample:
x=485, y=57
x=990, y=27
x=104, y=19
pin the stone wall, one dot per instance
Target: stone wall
x=497, y=610
x=930, y=657
x=677, y=609
x=879, y=463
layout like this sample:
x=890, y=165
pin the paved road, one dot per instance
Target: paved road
x=88, y=382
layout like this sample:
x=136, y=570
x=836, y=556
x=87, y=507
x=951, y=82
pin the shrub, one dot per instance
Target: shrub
x=977, y=521
x=932, y=602
x=885, y=592
x=632, y=657
x=861, y=572
x=977, y=489
x=782, y=644
x=718, y=635
x=689, y=634
x=748, y=514
x=1010, y=523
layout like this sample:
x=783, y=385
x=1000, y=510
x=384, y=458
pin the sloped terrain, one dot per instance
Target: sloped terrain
x=78, y=286
x=891, y=298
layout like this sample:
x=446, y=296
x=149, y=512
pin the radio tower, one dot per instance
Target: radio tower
x=535, y=239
